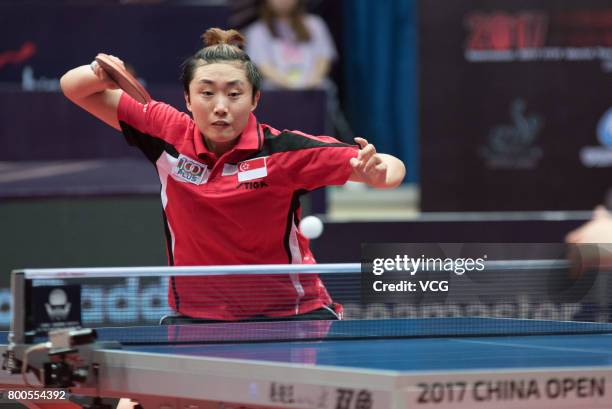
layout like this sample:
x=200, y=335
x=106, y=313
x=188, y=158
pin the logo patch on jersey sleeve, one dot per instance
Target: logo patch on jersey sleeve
x=252, y=169
x=190, y=171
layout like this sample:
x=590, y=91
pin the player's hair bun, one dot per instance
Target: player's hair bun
x=214, y=36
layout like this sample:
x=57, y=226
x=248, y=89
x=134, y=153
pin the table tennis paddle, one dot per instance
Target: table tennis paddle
x=123, y=78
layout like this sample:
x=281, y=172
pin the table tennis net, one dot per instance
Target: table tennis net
x=534, y=301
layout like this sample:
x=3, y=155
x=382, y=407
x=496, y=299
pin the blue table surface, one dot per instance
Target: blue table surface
x=444, y=354
x=463, y=352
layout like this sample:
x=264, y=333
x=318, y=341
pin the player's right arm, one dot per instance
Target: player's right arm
x=90, y=88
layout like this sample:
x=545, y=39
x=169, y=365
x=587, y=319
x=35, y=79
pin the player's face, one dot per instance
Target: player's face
x=220, y=100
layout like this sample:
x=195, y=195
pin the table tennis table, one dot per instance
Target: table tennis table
x=356, y=365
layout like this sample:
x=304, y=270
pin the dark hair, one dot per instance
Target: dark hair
x=296, y=21
x=221, y=46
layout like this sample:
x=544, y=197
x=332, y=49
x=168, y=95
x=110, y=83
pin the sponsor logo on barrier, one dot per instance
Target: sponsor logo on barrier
x=499, y=36
x=25, y=52
x=513, y=146
x=58, y=306
x=62, y=308
x=324, y=397
x=600, y=156
x=501, y=31
x=572, y=387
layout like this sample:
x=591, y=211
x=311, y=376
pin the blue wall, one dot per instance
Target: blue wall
x=380, y=63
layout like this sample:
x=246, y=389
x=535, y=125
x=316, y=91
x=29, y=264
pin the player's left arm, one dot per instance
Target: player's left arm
x=378, y=170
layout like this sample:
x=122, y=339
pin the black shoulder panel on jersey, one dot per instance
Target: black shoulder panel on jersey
x=289, y=141
x=151, y=146
x=292, y=218
x=260, y=139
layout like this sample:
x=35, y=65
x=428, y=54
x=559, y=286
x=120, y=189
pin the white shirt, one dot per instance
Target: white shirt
x=297, y=60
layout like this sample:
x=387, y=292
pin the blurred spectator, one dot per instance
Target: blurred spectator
x=294, y=50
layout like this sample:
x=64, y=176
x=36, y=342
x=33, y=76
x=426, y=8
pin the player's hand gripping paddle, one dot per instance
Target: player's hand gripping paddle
x=123, y=78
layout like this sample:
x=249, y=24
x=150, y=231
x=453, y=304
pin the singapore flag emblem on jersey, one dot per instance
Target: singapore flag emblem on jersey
x=252, y=169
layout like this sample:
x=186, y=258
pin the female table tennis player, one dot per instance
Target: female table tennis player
x=230, y=186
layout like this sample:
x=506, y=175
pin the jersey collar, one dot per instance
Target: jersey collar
x=251, y=140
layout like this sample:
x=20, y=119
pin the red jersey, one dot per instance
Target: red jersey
x=240, y=208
